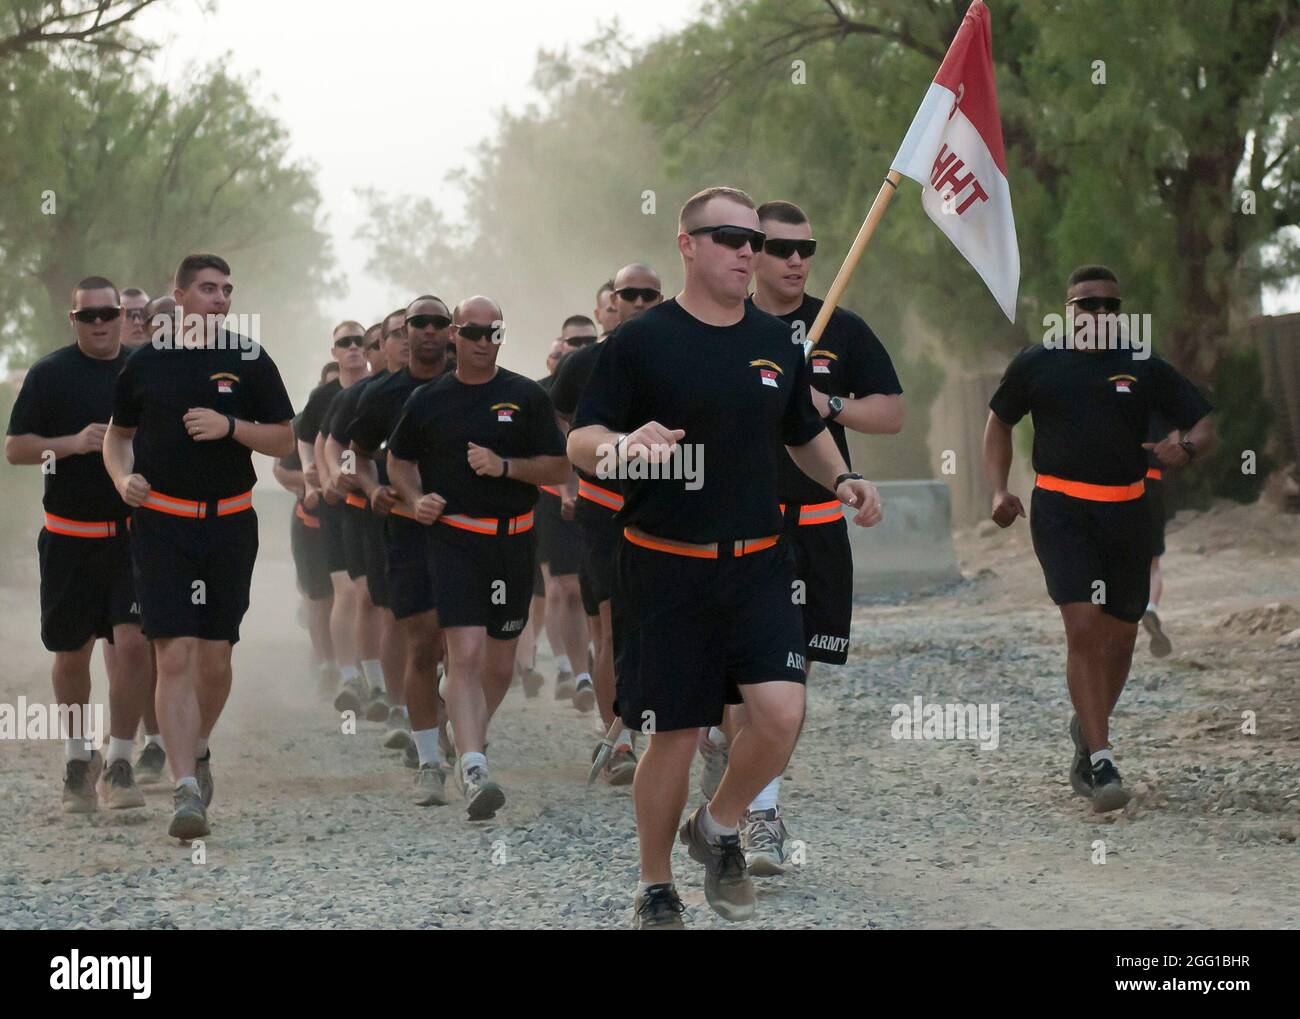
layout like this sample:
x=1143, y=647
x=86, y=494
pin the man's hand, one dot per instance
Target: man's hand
x=311, y=498
x=1168, y=452
x=430, y=507
x=206, y=425
x=652, y=442
x=863, y=495
x=312, y=476
x=484, y=461
x=91, y=438
x=568, y=507
x=383, y=499
x=133, y=488
x=1006, y=507
x=820, y=401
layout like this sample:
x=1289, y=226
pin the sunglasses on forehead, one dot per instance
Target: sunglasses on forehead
x=631, y=294
x=475, y=333
x=350, y=341
x=1107, y=304
x=424, y=321
x=781, y=247
x=105, y=314
x=732, y=236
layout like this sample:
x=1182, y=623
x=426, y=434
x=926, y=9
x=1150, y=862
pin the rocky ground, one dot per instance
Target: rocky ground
x=313, y=828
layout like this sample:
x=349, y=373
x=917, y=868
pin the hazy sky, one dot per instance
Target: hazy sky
x=390, y=94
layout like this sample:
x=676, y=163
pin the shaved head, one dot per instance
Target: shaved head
x=637, y=274
x=479, y=309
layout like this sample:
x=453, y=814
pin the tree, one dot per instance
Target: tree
x=100, y=25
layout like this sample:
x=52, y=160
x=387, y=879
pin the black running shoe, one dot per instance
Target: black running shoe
x=149, y=765
x=1108, y=792
x=658, y=908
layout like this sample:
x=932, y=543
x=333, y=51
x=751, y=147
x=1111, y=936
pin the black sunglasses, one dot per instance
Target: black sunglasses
x=136, y=313
x=582, y=341
x=631, y=294
x=350, y=341
x=371, y=347
x=782, y=247
x=1107, y=304
x=423, y=321
x=475, y=333
x=105, y=314
x=733, y=236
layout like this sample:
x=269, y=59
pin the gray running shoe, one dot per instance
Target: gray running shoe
x=1108, y=792
x=79, y=778
x=564, y=686
x=377, y=710
x=584, y=695
x=1160, y=644
x=658, y=908
x=620, y=769
x=203, y=772
x=117, y=786
x=762, y=837
x=1081, y=766
x=189, y=818
x=430, y=786
x=412, y=757
x=149, y=765
x=350, y=696
x=398, y=734
x=715, y=764
x=533, y=682
x=727, y=886
x=483, y=797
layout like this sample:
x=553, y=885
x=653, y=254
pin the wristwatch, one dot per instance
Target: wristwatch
x=850, y=476
x=1189, y=447
x=835, y=405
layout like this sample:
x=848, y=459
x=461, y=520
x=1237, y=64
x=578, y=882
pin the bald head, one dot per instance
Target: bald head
x=638, y=274
x=478, y=310
x=637, y=288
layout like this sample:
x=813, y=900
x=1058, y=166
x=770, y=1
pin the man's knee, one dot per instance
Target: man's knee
x=776, y=715
x=176, y=656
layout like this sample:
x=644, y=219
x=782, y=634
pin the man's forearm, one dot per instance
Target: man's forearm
x=404, y=475
x=997, y=453
x=31, y=449
x=271, y=439
x=119, y=457
x=876, y=414
x=584, y=446
x=820, y=459
x=541, y=470
x=367, y=475
x=322, y=465
x=1202, y=435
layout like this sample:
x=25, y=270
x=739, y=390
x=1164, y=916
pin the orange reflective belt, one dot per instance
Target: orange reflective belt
x=1093, y=493
x=80, y=528
x=399, y=510
x=818, y=512
x=488, y=525
x=305, y=517
x=600, y=496
x=359, y=501
x=744, y=546
x=553, y=490
x=1154, y=473
x=155, y=500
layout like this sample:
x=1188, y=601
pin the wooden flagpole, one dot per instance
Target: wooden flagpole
x=874, y=215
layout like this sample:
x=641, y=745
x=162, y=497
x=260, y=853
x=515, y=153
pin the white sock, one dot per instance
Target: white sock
x=402, y=709
x=624, y=742
x=119, y=749
x=717, y=737
x=374, y=673
x=767, y=797
x=75, y=750
x=472, y=760
x=154, y=738
x=426, y=742
x=712, y=830
x=1101, y=755
x=348, y=672
x=562, y=664
x=201, y=748
x=583, y=676
x=326, y=667
x=190, y=782
x=1151, y=606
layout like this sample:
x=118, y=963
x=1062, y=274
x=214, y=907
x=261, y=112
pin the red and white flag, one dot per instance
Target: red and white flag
x=954, y=151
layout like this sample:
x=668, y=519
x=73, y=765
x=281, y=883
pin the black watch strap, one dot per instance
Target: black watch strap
x=1189, y=447
x=854, y=475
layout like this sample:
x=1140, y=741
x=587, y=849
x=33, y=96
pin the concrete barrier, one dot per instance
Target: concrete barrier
x=911, y=549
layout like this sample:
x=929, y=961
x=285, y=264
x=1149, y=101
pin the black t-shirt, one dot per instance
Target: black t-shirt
x=63, y=393
x=849, y=360
x=510, y=415
x=1157, y=430
x=1092, y=409
x=159, y=385
x=379, y=408
x=740, y=392
x=338, y=418
x=571, y=377
x=307, y=425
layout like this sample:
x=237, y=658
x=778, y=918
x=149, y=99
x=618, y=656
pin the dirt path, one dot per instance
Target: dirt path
x=312, y=828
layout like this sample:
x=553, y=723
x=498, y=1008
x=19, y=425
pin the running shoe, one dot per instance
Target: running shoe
x=1160, y=644
x=79, y=778
x=564, y=685
x=378, y=708
x=189, y=818
x=762, y=838
x=533, y=682
x=150, y=764
x=398, y=734
x=715, y=763
x=1108, y=792
x=117, y=786
x=584, y=694
x=658, y=908
x=350, y=696
x=727, y=886
x=620, y=769
x=412, y=757
x=483, y=797
x=430, y=786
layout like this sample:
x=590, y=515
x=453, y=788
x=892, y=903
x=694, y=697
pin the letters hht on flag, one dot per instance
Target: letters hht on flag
x=954, y=151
